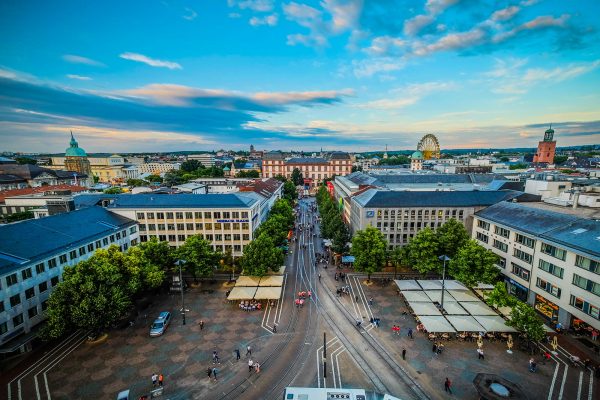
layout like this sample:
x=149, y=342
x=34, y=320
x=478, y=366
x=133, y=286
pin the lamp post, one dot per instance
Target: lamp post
x=179, y=263
x=444, y=258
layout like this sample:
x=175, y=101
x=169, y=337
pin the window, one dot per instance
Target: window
x=501, y=262
x=481, y=237
x=118, y=235
x=502, y=231
x=39, y=268
x=150, y=215
x=73, y=254
x=54, y=281
x=482, y=224
x=170, y=227
x=521, y=255
x=551, y=268
x=160, y=215
x=244, y=214
x=179, y=215
x=18, y=320
x=181, y=238
x=43, y=287
x=189, y=227
x=15, y=300
x=63, y=258
x=105, y=241
x=245, y=236
x=208, y=226
x=197, y=215
x=217, y=215
x=29, y=293
x=585, y=306
x=524, y=240
x=1, y=306
x=90, y=247
x=500, y=246
x=11, y=280
x=586, y=284
x=112, y=238
x=218, y=237
x=169, y=215
x=520, y=272
x=199, y=227
x=236, y=214
x=189, y=215
x=82, y=251
x=32, y=312
x=548, y=287
x=554, y=251
x=207, y=214
x=44, y=305
x=3, y=328
x=52, y=263
x=26, y=273
x=140, y=215
x=587, y=264
x=171, y=238
x=180, y=227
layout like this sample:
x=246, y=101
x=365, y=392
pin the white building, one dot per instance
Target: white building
x=546, y=188
x=548, y=258
x=157, y=168
x=206, y=159
x=33, y=255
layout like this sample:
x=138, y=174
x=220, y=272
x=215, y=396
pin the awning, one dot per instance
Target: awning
x=493, y=323
x=477, y=308
x=436, y=324
x=424, y=308
x=454, y=285
x=414, y=295
x=505, y=311
x=271, y=280
x=242, y=293
x=409, y=284
x=348, y=259
x=245, y=280
x=454, y=308
x=430, y=284
x=484, y=286
x=464, y=323
x=268, y=293
x=436, y=295
x=463, y=295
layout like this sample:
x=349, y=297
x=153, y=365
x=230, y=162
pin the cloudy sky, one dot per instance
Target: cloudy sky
x=171, y=75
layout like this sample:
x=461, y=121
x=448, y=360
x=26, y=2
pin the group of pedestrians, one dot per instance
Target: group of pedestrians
x=342, y=290
x=157, y=380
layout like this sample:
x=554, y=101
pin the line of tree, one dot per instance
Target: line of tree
x=248, y=174
x=332, y=223
x=189, y=170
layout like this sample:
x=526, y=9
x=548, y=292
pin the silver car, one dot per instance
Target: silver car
x=160, y=324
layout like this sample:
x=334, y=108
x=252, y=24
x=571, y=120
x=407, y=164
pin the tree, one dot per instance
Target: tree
x=289, y=191
x=276, y=227
x=517, y=166
x=340, y=238
x=499, y=297
x=560, y=159
x=228, y=262
x=473, y=264
x=451, y=236
x=261, y=255
x=297, y=177
x=422, y=252
x=369, y=251
x=190, y=165
x=25, y=160
x=248, y=174
x=136, y=182
x=18, y=216
x=356, y=168
x=280, y=178
x=525, y=320
x=154, y=179
x=113, y=190
x=397, y=257
x=172, y=178
x=199, y=256
x=282, y=207
x=158, y=253
x=504, y=159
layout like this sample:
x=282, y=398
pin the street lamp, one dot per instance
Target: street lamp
x=444, y=258
x=179, y=263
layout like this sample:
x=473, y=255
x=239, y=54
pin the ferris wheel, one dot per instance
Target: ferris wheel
x=429, y=146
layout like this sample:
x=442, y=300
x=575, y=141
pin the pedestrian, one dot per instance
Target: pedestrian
x=237, y=354
x=403, y=353
x=370, y=301
x=201, y=324
x=480, y=355
x=216, y=358
x=410, y=332
x=250, y=365
x=547, y=357
x=160, y=380
x=448, y=385
x=154, y=380
x=275, y=327
x=209, y=372
x=434, y=348
x=319, y=277
x=594, y=335
x=257, y=367
x=248, y=351
x=214, y=371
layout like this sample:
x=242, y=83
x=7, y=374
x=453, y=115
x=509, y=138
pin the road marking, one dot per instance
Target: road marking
x=580, y=384
x=48, y=368
x=562, y=385
x=337, y=362
x=591, y=385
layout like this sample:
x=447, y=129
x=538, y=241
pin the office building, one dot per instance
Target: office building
x=314, y=169
x=206, y=159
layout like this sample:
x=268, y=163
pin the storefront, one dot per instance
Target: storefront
x=547, y=308
x=517, y=290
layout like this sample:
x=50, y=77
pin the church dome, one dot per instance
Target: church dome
x=417, y=155
x=74, y=150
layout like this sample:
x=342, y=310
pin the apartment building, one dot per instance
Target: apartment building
x=548, y=258
x=33, y=255
x=206, y=159
x=314, y=169
x=401, y=215
x=157, y=168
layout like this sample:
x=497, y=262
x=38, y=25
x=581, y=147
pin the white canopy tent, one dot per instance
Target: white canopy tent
x=493, y=323
x=436, y=295
x=424, y=308
x=430, y=284
x=271, y=280
x=436, y=324
x=463, y=295
x=464, y=323
x=454, y=308
x=268, y=293
x=244, y=280
x=477, y=308
x=453, y=285
x=242, y=293
x=416, y=295
x=409, y=284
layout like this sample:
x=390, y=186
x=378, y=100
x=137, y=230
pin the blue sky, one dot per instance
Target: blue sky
x=339, y=74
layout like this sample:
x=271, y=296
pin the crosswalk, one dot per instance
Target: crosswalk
x=571, y=380
x=334, y=349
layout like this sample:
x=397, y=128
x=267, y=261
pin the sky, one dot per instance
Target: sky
x=357, y=75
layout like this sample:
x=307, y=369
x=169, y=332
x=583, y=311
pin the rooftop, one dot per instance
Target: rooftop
x=184, y=200
x=307, y=160
x=40, y=190
x=35, y=239
x=387, y=198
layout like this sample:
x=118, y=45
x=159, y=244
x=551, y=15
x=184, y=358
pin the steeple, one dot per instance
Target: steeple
x=549, y=134
x=385, y=155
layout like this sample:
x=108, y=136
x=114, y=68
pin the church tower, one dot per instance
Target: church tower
x=76, y=159
x=546, y=148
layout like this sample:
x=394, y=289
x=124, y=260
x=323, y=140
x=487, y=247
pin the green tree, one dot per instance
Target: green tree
x=297, y=177
x=173, y=177
x=451, y=236
x=473, y=264
x=283, y=208
x=18, y=216
x=248, y=174
x=289, y=191
x=499, y=296
x=228, y=262
x=397, y=257
x=154, y=179
x=276, y=227
x=281, y=178
x=504, y=159
x=261, y=255
x=136, y=182
x=199, y=256
x=369, y=250
x=422, y=252
x=560, y=159
x=113, y=190
x=26, y=160
x=158, y=253
x=190, y=165
x=525, y=320
x=518, y=166
x=340, y=238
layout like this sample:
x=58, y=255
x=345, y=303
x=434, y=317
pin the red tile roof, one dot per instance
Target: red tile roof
x=41, y=189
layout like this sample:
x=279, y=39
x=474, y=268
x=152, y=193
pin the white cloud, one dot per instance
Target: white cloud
x=190, y=14
x=433, y=8
x=234, y=15
x=409, y=95
x=254, y=5
x=79, y=77
x=270, y=20
x=541, y=22
x=383, y=45
x=150, y=61
x=505, y=13
x=82, y=60
x=451, y=41
x=372, y=66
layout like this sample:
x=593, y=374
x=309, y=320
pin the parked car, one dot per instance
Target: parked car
x=160, y=324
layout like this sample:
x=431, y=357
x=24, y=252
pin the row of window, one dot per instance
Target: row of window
x=587, y=264
x=193, y=215
x=585, y=306
x=554, y=251
x=551, y=268
x=521, y=255
x=500, y=246
x=15, y=300
x=525, y=240
x=226, y=226
x=586, y=284
x=407, y=225
x=406, y=213
x=481, y=237
x=18, y=319
x=181, y=238
x=548, y=287
x=520, y=272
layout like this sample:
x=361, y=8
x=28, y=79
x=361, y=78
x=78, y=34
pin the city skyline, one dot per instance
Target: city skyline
x=347, y=75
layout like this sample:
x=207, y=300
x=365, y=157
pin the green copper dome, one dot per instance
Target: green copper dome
x=417, y=155
x=74, y=150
